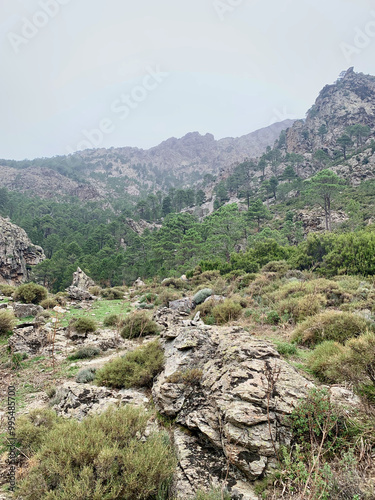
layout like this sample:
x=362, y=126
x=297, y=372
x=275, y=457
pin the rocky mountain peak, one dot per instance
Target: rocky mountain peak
x=349, y=101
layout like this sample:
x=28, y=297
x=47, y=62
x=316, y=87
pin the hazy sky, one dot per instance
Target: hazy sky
x=134, y=73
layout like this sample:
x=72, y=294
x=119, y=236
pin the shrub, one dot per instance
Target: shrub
x=226, y=311
x=48, y=303
x=276, y=266
x=298, y=309
x=136, y=369
x=100, y=457
x=176, y=283
x=187, y=377
x=330, y=325
x=85, y=352
x=138, y=324
x=112, y=293
x=113, y=320
x=95, y=290
x=321, y=359
x=86, y=375
x=166, y=296
x=202, y=295
x=213, y=494
x=7, y=290
x=273, y=318
x=316, y=418
x=61, y=298
x=31, y=429
x=7, y=322
x=84, y=325
x=285, y=348
x=356, y=363
x=30, y=293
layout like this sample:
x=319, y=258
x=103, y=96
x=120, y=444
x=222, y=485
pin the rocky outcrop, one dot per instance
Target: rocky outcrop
x=17, y=254
x=78, y=290
x=349, y=101
x=225, y=400
x=81, y=280
x=26, y=310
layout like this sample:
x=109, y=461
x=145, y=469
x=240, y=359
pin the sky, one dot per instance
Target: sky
x=79, y=74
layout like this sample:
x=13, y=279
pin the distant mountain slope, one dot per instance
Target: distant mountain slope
x=105, y=173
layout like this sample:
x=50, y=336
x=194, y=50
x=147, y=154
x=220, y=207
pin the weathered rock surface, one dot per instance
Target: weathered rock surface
x=17, y=254
x=76, y=293
x=26, y=310
x=73, y=400
x=29, y=340
x=81, y=280
x=228, y=409
x=185, y=304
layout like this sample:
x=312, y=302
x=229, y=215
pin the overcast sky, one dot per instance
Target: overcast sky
x=85, y=73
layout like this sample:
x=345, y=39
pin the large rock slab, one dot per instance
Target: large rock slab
x=232, y=406
x=17, y=254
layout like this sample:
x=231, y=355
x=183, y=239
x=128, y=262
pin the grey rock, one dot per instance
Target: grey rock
x=26, y=310
x=28, y=339
x=17, y=254
x=81, y=280
x=184, y=304
x=228, y=407
x=76, y=293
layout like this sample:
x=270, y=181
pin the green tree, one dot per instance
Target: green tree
x=323, y=130
x=345, y=143
x=289, y=174
x=322, y=189
x=258, y=212
x=273, y=185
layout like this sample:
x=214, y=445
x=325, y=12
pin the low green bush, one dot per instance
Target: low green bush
x=213, y=494
x=85, y=352
x=273, y=318
x=299, y=308
x=113, y=320
x=48, y=303
x=330, y=325
x=175, y=283
x=226, y=311
x=112, y=293
x=31, y=429
x=100, y=457
x=276, y=266
x=202, y=295
x=321, y=360
x=86, y=375
x=30, y=293
x=7, y=322
x=7, y=290
x=95, y=290
x=138, y=324
x=136, y=369
x=84, y=325
x=187, y=377
x=285, y=348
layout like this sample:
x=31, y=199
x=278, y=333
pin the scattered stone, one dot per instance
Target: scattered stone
x=76, y=293
x=27, y=340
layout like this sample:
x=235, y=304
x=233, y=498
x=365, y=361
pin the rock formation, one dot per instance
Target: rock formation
x=79, y=289
x=216, y=383
x=17, y=254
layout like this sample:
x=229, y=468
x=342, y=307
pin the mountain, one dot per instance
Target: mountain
x=100, y=173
